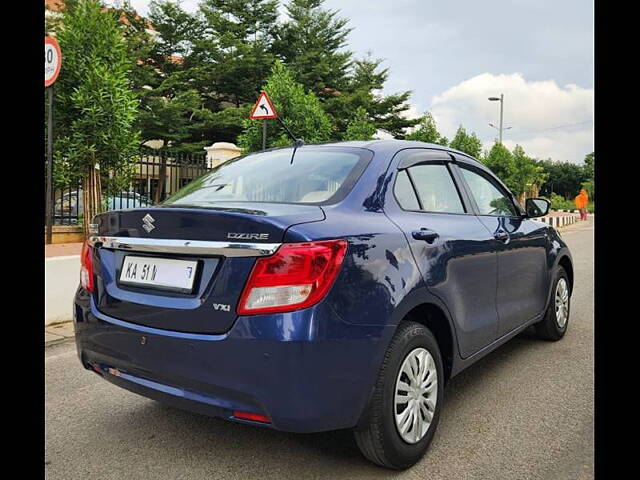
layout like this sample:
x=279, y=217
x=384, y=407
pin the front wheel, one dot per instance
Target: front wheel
x=403, y=413
x=554, y=324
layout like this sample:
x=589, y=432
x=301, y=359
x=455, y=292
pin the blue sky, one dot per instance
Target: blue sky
x=454, y=54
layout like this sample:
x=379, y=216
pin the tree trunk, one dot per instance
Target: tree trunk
x=91, y=195
x=535, y=191
x=162, y=179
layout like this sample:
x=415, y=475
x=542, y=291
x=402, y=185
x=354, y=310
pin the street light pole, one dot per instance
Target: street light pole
x=501, y=100
x=501, y=106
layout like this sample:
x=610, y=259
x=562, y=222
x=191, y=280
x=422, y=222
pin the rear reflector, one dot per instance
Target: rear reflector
x=296, y=276
x=254, y=417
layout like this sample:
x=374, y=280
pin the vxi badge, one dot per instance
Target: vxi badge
x=248, y=236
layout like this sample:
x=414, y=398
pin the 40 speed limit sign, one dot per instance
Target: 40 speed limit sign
x=52, y=60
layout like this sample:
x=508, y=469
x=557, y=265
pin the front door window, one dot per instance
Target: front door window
x=489, y=199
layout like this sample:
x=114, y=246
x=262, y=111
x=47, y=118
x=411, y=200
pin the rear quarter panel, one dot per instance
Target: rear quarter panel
x=378, y=269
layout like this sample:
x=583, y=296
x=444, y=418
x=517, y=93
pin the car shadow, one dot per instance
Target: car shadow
x=236, y=448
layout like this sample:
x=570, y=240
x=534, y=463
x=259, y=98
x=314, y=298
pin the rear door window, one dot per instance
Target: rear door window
x=405, y=194
x=436, y=189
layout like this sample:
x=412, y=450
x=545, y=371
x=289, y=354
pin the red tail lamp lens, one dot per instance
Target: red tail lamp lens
x=297, y=276
x=254, y=417
x=86, y=267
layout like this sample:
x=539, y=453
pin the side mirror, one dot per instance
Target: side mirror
x=537, y=207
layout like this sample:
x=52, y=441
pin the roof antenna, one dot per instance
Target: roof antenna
x=297, y=142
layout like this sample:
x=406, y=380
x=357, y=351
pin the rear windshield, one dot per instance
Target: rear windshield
x=318, y=175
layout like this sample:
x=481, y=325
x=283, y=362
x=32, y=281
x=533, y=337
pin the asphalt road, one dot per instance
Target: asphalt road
x=523, y=412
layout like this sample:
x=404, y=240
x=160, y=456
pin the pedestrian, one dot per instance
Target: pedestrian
x=582, y=200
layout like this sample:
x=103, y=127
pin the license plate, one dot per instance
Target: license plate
x=164, y=273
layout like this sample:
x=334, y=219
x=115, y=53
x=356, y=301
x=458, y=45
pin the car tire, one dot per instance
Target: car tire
x=554, y=324
x=378, y=435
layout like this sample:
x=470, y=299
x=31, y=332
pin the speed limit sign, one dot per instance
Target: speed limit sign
x=52, y=60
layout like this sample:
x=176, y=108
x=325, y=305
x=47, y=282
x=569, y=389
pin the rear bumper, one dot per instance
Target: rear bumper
x=308, y=371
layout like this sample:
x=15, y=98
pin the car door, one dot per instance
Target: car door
x=454, y=252
x=521, y=248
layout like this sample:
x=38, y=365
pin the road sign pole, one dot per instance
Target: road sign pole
x=49, y=187
x=264, y=134
x=52, y=64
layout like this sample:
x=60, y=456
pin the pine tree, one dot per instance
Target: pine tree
x=366, y=80
x=301, y=112
x=170, y=106
x=203, y=71
x=311, y=42
x=360, y=127
x=140, y=46
x=235, y=49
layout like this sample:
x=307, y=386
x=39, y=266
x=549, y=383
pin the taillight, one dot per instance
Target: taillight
x=297, y=276
x=86, y=267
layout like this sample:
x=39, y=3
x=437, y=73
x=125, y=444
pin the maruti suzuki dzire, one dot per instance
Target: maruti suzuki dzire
x=335, y=286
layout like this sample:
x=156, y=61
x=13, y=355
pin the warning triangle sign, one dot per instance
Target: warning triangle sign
x=263, y=108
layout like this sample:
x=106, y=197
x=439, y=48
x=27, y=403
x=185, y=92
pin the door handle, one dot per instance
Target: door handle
x=502, y=237
x=424, y=234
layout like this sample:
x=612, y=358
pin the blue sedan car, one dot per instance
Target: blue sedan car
x=334, y=286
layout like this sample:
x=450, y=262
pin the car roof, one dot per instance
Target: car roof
x=393, y=145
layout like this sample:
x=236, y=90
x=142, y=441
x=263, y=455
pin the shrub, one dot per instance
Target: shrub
x=558, y=202
x=301, y=111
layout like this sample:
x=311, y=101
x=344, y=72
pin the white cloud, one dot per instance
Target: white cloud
x=546, y=119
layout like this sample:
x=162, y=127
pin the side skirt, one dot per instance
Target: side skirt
x=460, y=364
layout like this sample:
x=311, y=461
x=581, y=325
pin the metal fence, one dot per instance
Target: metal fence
x=156, y=177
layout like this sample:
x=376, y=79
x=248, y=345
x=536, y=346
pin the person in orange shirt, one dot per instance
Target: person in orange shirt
x=582, y=199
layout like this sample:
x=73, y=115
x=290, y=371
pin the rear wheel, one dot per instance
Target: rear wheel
x=403, y=413
x=554, y=324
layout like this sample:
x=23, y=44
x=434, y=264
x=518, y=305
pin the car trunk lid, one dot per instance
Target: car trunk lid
x=222, y=242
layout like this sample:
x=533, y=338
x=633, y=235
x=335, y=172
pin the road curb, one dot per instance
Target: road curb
x=559, y=221
x=58, y=341
x=60, y=332
x=61, y=278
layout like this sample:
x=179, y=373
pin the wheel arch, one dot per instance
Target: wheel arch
x=431, y=316
x=565, y=262
x=423, y=307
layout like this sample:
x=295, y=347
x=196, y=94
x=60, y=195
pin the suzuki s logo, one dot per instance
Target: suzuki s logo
x=147, y=223
x=248, y=236
x=222, y=307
